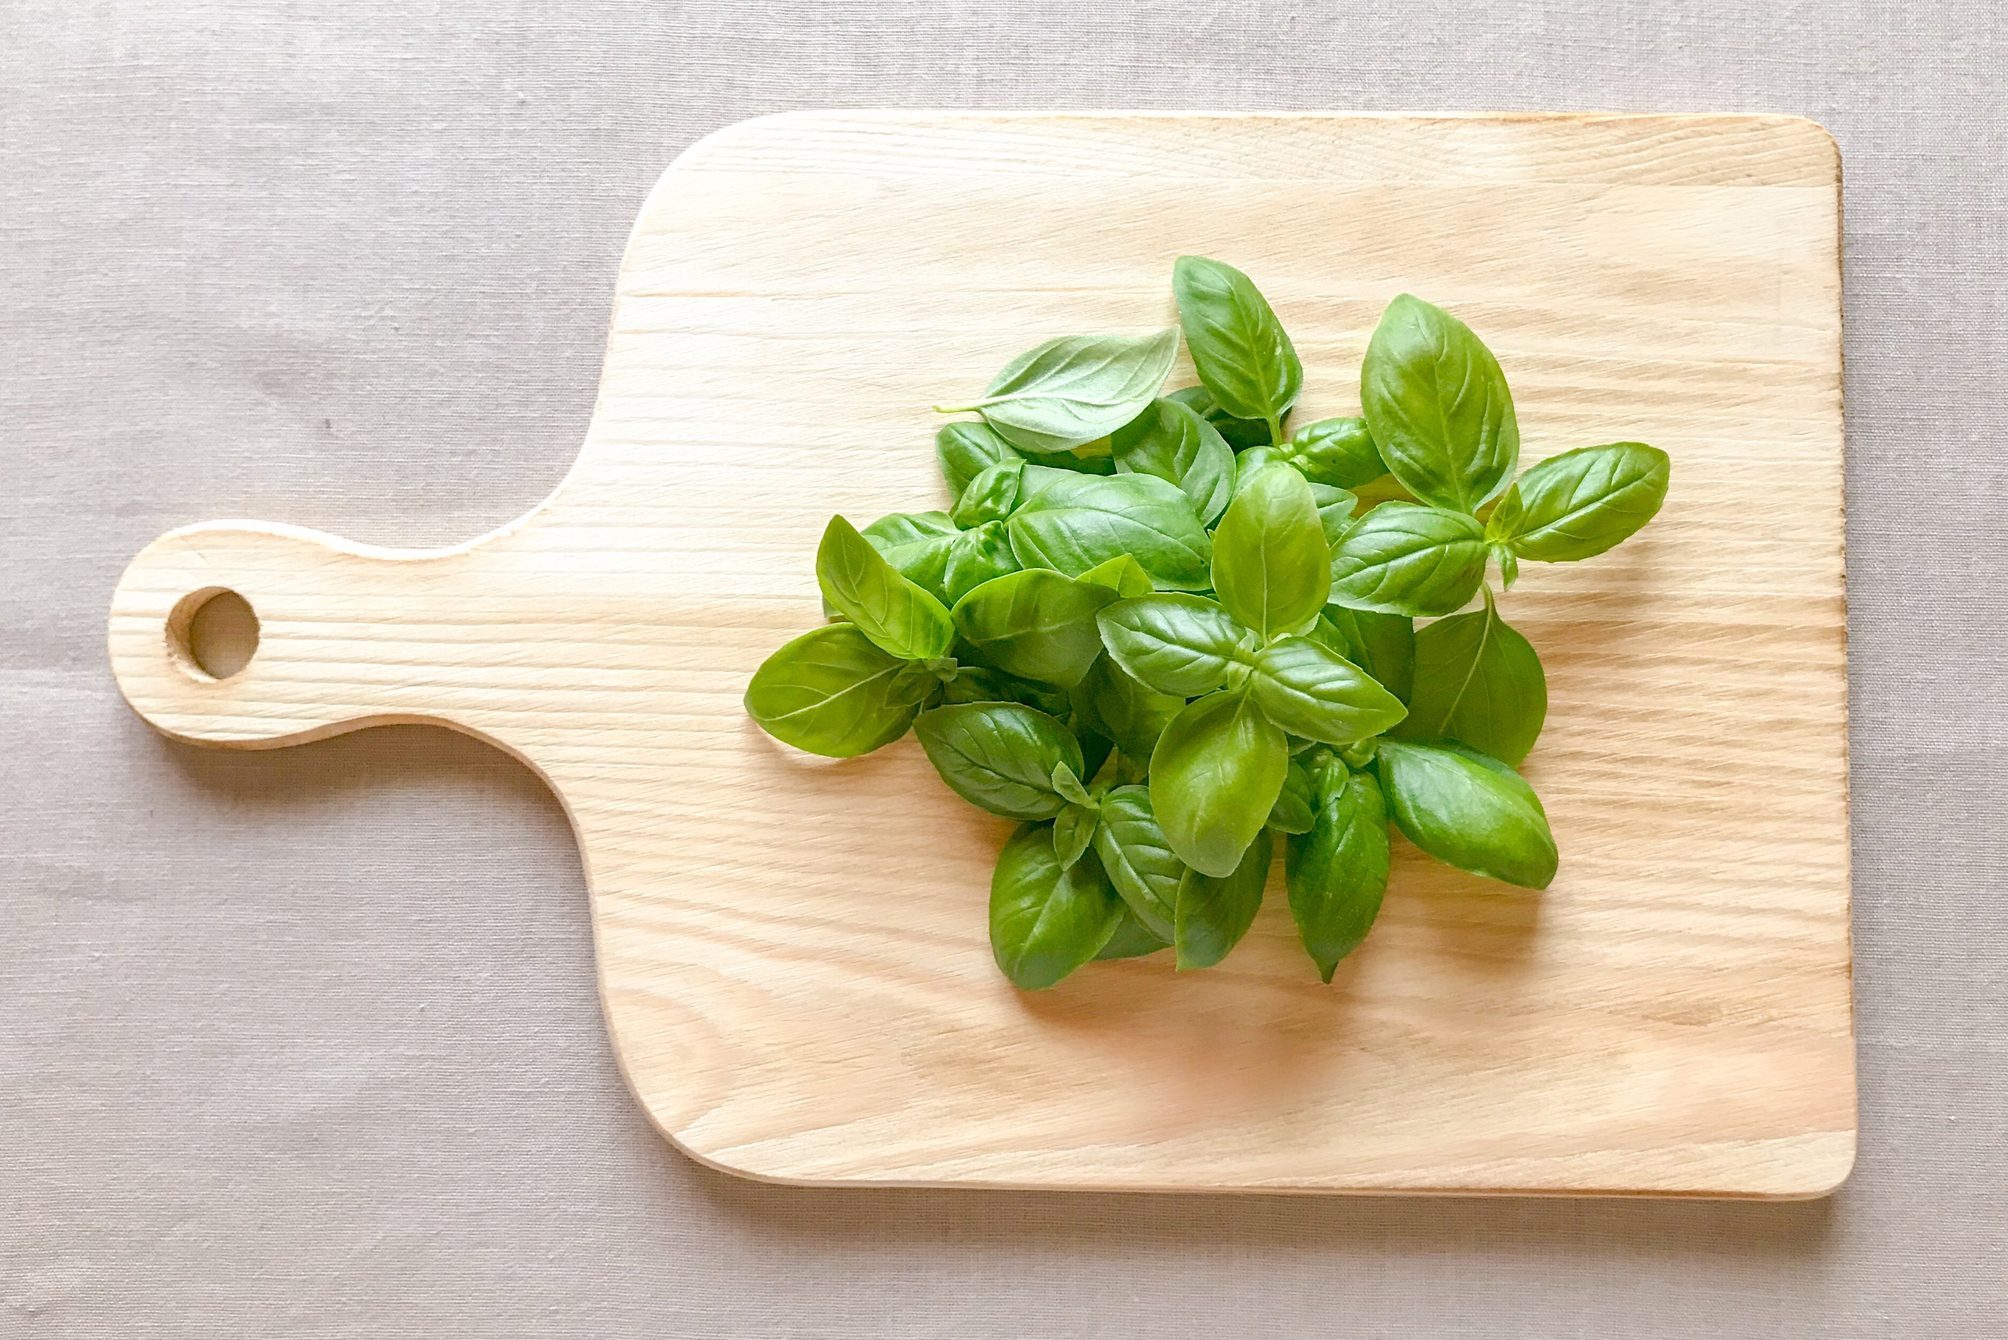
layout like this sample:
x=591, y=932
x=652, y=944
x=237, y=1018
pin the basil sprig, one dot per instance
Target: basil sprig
x=1166, y=634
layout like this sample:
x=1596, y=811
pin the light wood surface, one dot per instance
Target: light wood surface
x=792, y=952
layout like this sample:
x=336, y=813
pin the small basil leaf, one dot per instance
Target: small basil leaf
x=918, y=544
x=1509, y=566
x=1085, y=522
x=1121, y=574
x=916, y=681
x=1437, y=405
x=981, y=684
x=1073, y=830
x=1468, y=811
x=1582, y=502
x=965, y=451
x=1335, y=511
x=1035, y=624
x=1069, y=786
x=894, y=612
x=1403, y=559
x=999, y=756
x=1340, y=452
x=1241, y=434
x=1479, y=682
x=1119, y=706
x=1171, y=442
x=1292, y=810
x=1175, y=643
x=1238, y=347
x=1214, y=777
x=1045, y=920
x=1311, y=691
x=1383, y=645
x=1132, y=939
x=830, y=692
x=1139, y=859
x=1214, y=912
x=1271, y=566
x=1070, y=391
x=974, y=557
x=990, y=496
x=1337, y=872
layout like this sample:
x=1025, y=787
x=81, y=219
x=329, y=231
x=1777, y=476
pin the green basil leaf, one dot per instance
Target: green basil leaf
x=1271, y=566
x=974, y=557
x=1335, y=511
x=965, y=451
x=1311, y=691
x=1469, y=811
x=990, y=496
x=1171, y=442
x=1292, y=811
x=1214, y=777
x=1338, y=871
x=1035, y=624
x=1175, y=643
x=1132, y=939
x=830, y=692
x=1383, y=645
x=1073, y=830
x=1214, y=912
x=1046, y=920
x=1582, y=502
x=918, y=544
x=1479, y=682
x=1121, y=574
x=1070, y=391
x=1241, y=434
x=1000, y=756
x=1139, y=859
x=1437, y=405
x=894, y=612
x=981, y=684
x=1069, y=786
x=1084, y=523
x=1339, y=452
x=1117, y=705
x=1238, y=347
x=1509, y=566
x=1403, y=559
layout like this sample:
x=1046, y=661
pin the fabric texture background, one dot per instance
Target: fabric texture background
x=305, y=1043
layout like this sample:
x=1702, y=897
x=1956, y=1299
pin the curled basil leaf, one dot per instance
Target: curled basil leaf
x=965, y=450
x=1171, y=442
x=1045, y=919
x=990, y=496
x=1214, y=912
x=1214, y=777
x=894, y=612
x=1469, y=811
x=1311, y=691
x=1478, y=681
x=1238, y=347
x=1240, y=434
x=1403, y=559
x=1436, y=404
x=1070, y=391
x=1000, y=756
x=1337, y=872
x=1271, y=566
x=1088, y=520
x=1035, y=624
x=830, y=692
x=1123, y=575
x=1339, y=452
x=1582, y=502
x=1139, y=859
x=975, y=556
x=1179, y=644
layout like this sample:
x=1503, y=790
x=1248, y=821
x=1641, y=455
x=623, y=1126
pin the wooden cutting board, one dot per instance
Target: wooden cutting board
x=792, y=952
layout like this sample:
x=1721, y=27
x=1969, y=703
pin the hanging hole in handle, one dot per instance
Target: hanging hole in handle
x=212, y=633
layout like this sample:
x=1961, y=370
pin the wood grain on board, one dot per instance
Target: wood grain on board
x=792, y=952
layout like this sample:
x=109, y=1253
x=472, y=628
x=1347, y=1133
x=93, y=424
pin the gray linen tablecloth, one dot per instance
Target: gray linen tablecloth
x=305, y=1043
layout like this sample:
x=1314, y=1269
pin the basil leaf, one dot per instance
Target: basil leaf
x=1121, y=574
x=830, y=692
x=990, y=496
x=1335, y=511
x=894, y=612
x=974, y=557
x=1240, y=434
x=981, y=684
x=1238, y=347
x=1215, y=912
x=1469, y=811
x=1035, y=624
x=1383, y=645
x=1072, y=390
x=1175, y=643
x=1509, y=566
x=1311, y=691
x=1089, y=520
x=1292, y=811
x=1271, y=566
x=1479, y=682
x=1437, y=405
x=1073, y=830
x=1338, y=871
x=1340, y=452
x=999, y=756
x=1403, y=559
x=1132, y=939
x=1176, y=445
x=1582, y=502
x=918, y=544
x=1214, y=777
x=1116, y=704
x=1045, y=920
x=1138, y=858
x=965, y=450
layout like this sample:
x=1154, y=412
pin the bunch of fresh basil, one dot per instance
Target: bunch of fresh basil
x=1159, y=630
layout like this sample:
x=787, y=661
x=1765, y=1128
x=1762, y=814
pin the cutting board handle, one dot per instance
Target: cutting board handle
x=347, y=635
